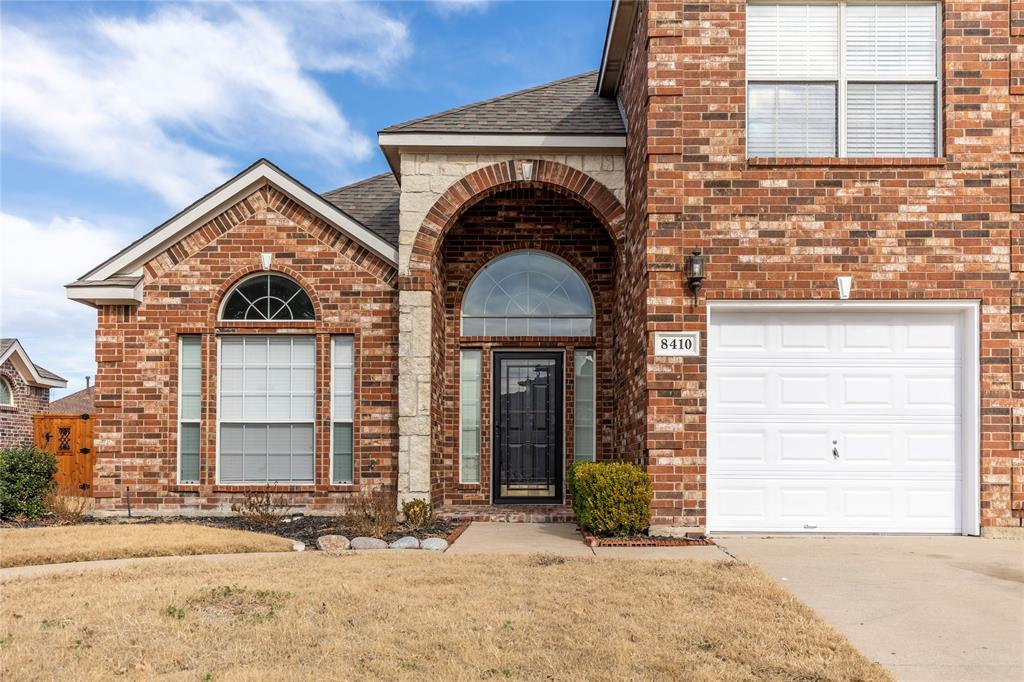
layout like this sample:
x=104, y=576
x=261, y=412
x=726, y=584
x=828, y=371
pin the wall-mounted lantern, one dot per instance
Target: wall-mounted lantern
x=695, y=273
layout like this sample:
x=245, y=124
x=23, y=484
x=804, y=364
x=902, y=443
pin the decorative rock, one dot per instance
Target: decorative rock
x=298, y=546
x=367, y=543
x=434, y=544
x=407, y=542
x=332, y=544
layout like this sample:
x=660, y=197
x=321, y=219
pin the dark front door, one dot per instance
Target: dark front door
x=527, y=427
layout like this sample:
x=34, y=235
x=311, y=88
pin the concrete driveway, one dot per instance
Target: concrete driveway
x=928, y=608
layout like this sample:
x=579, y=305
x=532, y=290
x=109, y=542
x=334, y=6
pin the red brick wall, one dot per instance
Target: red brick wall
x=934, y=229
x=136, y=351
x=526, y=218
x=16, y=424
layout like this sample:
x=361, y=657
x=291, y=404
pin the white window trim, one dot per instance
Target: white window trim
x=273, y=484
x=575, y=412
x=182, y=420
x=330, y=466
x=842, y=84
x=10, y=392
x=479, y=417
x=970, y=492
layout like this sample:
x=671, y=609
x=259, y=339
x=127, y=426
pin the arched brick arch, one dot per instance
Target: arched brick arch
x=498, y=177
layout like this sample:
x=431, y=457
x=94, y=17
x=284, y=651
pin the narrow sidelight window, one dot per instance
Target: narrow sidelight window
x=469, y=415
x=584, y=434
x=267, y=409
x=343, y=382
x=190, y=372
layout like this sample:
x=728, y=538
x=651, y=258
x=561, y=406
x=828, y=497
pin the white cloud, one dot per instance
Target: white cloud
x=148, y=100
x=448, y=7
x=36, y=261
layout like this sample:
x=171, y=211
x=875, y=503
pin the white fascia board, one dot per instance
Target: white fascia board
x=132, y=258
x=607, y=44
x=505, y=141
x=19, y=358
x=114, y=294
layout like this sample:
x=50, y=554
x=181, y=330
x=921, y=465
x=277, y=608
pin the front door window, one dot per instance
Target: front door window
x=528, y=427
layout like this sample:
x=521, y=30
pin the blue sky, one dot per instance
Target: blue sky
x=117, y=115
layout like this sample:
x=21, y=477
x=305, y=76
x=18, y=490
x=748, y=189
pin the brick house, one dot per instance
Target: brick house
x=24, y=392
x=767, y=251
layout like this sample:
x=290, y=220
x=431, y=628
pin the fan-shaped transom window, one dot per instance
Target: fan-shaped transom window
x=273, y=298
x=528, y=293
x=6, y=393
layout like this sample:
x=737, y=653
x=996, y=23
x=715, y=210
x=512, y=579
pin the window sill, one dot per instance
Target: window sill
x=843, y=161
x=300, y=488
x=185, y=488
x=469, y=486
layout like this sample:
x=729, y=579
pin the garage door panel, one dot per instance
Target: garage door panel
x=883, y=389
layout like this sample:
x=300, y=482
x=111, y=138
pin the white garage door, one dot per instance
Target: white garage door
x=834, y=421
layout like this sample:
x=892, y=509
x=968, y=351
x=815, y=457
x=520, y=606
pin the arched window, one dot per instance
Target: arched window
x=273, y=298
x=6, y=393
x=528, y=293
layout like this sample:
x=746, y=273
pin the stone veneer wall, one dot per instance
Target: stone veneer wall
x=425, y=177
x=16, y=424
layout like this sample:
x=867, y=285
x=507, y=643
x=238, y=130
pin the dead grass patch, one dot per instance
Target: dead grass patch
x=418, y=615
x=53, y=545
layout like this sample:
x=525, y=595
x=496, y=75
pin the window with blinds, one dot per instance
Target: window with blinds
x=266, y=410
x=343, y=382
x=846, y=79
x=189, y=402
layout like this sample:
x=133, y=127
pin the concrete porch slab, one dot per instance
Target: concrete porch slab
x=521, y=538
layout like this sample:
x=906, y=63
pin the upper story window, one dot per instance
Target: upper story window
x=843, y=79
x=528, y=293
x=6, y=393
x=273, y=298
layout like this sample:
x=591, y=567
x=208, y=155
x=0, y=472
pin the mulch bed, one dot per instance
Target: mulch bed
x=298, y=527
x=592, y=540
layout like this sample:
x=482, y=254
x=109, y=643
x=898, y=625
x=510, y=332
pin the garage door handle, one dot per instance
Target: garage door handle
x=835, y=452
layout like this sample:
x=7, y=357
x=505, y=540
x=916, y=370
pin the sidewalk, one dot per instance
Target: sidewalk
x=563, y=539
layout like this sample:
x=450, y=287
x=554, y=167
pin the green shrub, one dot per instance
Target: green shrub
x=26, y=478
x=611, y=498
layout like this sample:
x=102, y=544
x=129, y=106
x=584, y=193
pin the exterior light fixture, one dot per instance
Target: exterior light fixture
x=695, y=273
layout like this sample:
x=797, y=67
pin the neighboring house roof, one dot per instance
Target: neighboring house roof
x=118, y=279
x=33, y=374
x=79, y=402
x=373, y=202
x=570, y=106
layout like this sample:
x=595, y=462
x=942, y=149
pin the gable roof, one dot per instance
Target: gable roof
x=373, y=202
x=570, y=106
x=118, y=279
x=79, y=402
x=11, y=349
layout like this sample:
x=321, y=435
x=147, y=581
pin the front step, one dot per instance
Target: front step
x=507, y=513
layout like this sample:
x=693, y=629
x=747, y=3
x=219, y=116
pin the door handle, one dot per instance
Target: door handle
x=835, y=451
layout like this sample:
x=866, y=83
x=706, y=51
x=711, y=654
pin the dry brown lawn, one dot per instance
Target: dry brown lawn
x=418, y=615
x=54, y=545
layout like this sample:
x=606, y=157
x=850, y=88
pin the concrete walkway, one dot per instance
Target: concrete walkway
x=926, y=607
x=562, y=539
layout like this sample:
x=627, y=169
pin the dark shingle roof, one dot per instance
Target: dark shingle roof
x=570, y=106
x=43, y=372
x=80, y=402
x=373, y=202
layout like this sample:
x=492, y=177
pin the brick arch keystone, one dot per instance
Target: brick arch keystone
x=484, y=182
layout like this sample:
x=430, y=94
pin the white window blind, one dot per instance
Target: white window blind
x=469, y=415
x=792, y=42
x=792, y=119
x=267, y=389
x=342, y=409
x=847, y=79
x=189, y=402
x=584, y=431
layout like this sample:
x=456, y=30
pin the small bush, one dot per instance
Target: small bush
x=418, y=513
x=67, y=507
x=261, y=509
x=374, y=515
x=26, y=477
x=611, y=498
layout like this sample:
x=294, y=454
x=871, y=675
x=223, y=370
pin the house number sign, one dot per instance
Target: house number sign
x=676, y=343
